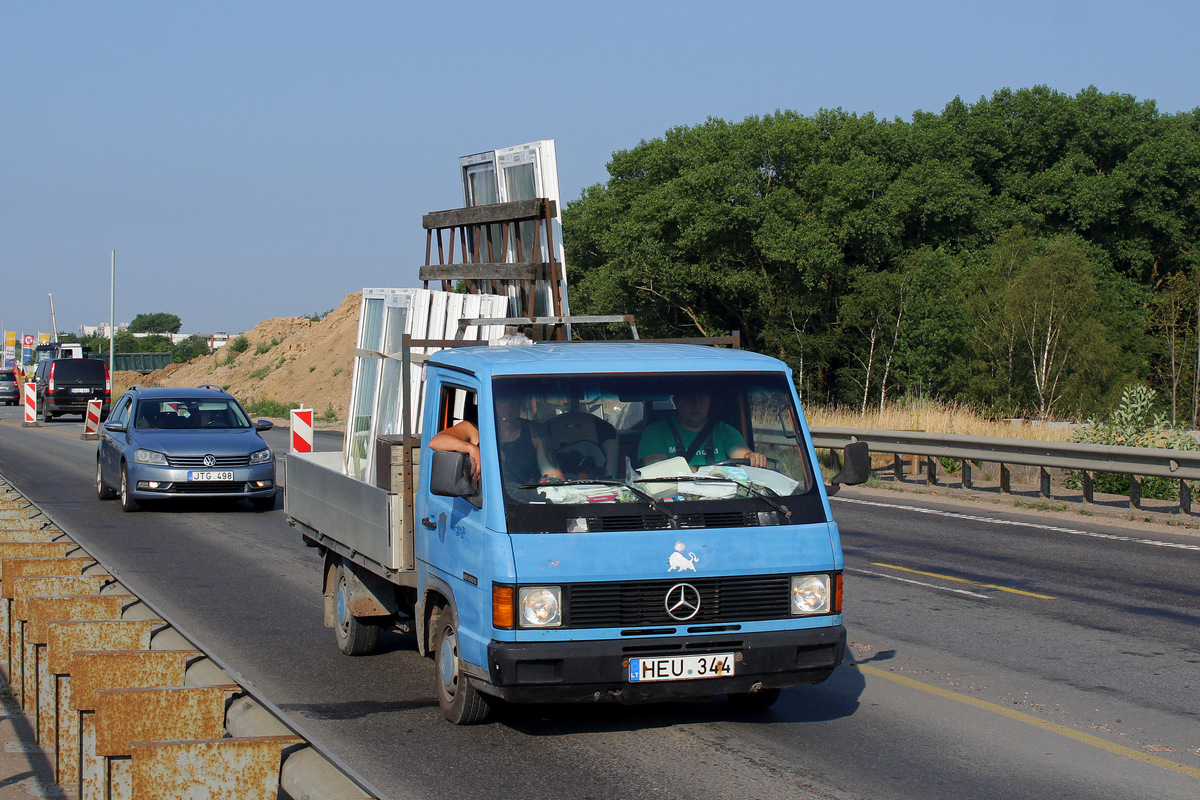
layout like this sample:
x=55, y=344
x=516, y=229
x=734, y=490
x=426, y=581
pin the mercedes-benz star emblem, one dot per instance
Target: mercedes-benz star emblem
x=210, y=461
x=682, y=601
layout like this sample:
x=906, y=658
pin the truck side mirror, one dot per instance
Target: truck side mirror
x=856, y=469
x=450, y=475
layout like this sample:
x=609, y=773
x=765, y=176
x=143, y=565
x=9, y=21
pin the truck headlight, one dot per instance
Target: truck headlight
x=150, y=457
x=540, y=606
x=261, y=457
x=810, y=594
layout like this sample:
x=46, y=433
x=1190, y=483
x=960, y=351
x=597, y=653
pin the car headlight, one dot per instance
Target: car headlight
x=261, y=457
x=150, y=457
x=540, y=606
x=810, y=594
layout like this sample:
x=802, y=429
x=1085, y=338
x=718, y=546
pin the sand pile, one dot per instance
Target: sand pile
x=290, y=360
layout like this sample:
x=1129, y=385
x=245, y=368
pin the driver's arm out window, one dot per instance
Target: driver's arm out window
x=455, y=405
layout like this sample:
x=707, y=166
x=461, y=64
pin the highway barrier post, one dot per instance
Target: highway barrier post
x=91, y=421
x=30, y=405
x=302, y=430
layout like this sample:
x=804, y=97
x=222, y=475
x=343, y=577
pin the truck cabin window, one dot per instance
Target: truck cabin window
x=616, y=439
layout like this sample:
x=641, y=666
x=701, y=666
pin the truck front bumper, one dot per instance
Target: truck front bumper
x=598, y=671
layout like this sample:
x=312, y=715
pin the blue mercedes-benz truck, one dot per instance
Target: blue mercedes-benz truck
x=631, y=522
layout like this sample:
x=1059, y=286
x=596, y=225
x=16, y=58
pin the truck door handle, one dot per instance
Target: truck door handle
x=429, y=523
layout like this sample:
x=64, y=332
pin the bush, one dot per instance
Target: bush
x=238, y=344
x=269, y=408
x=190, y=348
x=1133, y=424
x=265, y=346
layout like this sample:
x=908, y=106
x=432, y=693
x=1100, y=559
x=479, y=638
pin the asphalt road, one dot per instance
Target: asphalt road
x=995, y=656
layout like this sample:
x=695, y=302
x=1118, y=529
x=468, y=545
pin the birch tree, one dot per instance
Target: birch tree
x=1053, y=302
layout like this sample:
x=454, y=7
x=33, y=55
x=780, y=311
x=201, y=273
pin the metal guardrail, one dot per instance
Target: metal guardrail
x=298, y=765
x=1137, y=462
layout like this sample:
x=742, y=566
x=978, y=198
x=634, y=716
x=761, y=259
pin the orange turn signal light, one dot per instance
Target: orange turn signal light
x=503, y=615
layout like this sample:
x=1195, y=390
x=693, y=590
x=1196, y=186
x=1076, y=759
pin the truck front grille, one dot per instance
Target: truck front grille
x=658, y=522
x=638, y=603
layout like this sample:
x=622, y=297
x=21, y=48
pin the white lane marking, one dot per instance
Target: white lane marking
x=918, y=583
x=1017, y=524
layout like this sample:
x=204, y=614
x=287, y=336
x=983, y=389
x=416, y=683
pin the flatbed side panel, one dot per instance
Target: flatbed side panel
x=349, y=511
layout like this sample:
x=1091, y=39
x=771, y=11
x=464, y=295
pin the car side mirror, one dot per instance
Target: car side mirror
x=855, y=470
x=450, y=475
x=115, y=427
x=264, y=425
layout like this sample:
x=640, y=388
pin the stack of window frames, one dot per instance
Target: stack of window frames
x=385, y=317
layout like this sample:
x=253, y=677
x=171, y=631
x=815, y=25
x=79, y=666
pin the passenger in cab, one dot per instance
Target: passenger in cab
x=692, y=434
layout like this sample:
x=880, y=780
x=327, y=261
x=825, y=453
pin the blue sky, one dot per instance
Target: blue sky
x=248, y=160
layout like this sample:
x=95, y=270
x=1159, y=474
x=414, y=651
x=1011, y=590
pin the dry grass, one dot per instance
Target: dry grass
x=935, y=418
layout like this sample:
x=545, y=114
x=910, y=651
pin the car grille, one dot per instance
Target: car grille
x=209, y=487
x=636, y=603
x=656, y=522
x=197, y=462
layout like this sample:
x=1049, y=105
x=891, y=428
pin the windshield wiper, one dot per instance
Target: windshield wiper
x=766, y=498
x=643, y=495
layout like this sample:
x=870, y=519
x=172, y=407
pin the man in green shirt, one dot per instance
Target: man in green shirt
x=692, y=434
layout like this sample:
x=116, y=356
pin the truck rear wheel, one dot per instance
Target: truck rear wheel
x=354, y=637
x=460, y=701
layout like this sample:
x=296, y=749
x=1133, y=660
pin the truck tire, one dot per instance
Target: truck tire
x=103, y=492
x=354, y=637
x=460, y=701
x=127, y=501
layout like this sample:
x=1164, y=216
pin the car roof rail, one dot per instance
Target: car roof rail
x=211, y=386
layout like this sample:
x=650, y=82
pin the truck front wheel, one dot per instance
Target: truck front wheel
x=461, y=702
x=354, y=637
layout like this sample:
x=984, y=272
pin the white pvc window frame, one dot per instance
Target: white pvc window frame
x=501, y=174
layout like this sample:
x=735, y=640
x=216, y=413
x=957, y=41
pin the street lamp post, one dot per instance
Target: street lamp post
x=112, y=293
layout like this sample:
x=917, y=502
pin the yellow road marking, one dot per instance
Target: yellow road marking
x=1029, y=719
x=964, y=580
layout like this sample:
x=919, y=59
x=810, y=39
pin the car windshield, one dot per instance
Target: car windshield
x=7, y=376
x=661, y=438
x=189, y=414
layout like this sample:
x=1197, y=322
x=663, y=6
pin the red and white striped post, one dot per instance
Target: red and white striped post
x=302, y=430
x=91, y=420
x=30, y=403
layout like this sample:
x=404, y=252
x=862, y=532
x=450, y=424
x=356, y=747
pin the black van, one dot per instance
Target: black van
x=64, y=386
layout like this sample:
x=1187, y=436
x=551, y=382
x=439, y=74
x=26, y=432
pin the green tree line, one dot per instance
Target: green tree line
x=158, y=325
x=1032, y=253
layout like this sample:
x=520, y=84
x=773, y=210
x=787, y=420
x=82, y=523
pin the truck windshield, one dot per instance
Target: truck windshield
x=650, y=439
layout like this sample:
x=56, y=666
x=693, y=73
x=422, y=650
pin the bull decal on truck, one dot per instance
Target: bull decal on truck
x=678, y=561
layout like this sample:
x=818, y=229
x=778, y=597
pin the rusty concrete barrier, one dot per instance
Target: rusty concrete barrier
x=123, y=699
